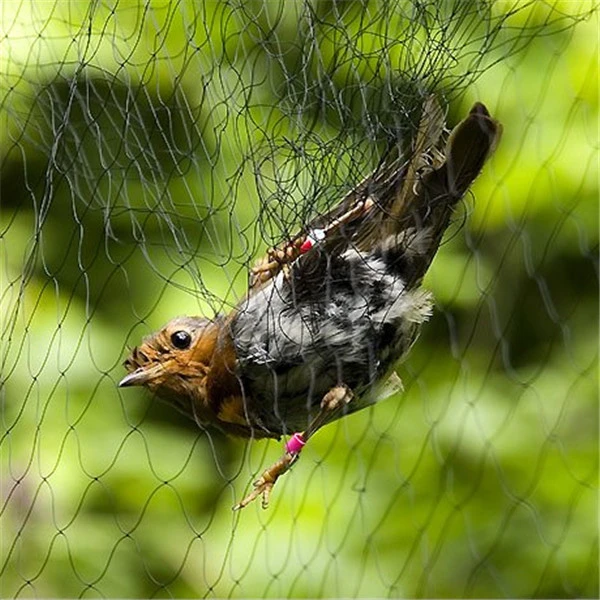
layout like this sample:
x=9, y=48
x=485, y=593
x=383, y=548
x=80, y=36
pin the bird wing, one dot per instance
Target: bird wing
x=401, y=195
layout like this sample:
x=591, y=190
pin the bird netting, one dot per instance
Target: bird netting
x=150, y=153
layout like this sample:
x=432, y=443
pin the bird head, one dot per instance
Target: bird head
x=174, y=362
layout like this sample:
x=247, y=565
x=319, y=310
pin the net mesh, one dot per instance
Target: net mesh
x=149, y=153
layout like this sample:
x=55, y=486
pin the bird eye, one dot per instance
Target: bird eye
x=181, y=340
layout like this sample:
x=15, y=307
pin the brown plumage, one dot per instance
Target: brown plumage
x=329, y=313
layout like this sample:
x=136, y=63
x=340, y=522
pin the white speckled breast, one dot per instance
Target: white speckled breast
x=351, y=327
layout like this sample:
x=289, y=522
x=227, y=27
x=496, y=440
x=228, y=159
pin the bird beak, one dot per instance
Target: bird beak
x=141, y=376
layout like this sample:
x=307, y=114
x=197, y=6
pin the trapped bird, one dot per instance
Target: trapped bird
x=328, y=314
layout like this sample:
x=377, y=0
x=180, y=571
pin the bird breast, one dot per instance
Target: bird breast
x=295, y=339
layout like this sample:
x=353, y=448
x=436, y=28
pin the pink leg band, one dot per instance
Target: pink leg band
x=295, y=444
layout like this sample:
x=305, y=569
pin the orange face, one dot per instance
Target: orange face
x=174, y=362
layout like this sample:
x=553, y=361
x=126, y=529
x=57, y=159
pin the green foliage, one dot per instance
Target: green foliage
x=149, y=153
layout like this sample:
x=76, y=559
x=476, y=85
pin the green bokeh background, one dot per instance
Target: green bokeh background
x=149, y=152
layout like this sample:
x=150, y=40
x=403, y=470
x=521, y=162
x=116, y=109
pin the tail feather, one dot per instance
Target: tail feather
x=422, y=210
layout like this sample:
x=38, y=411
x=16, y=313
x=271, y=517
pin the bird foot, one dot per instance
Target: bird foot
x=265, y=483
x=333, y=401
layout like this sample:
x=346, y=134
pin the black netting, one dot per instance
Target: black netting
x=150, y=152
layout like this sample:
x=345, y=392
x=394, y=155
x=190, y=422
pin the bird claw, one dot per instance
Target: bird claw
x=333, y=401
x=264, y=484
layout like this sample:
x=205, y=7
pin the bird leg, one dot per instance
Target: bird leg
x=281, y=257
x=332, y=404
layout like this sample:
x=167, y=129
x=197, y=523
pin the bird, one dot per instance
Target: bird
x=330, y=312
